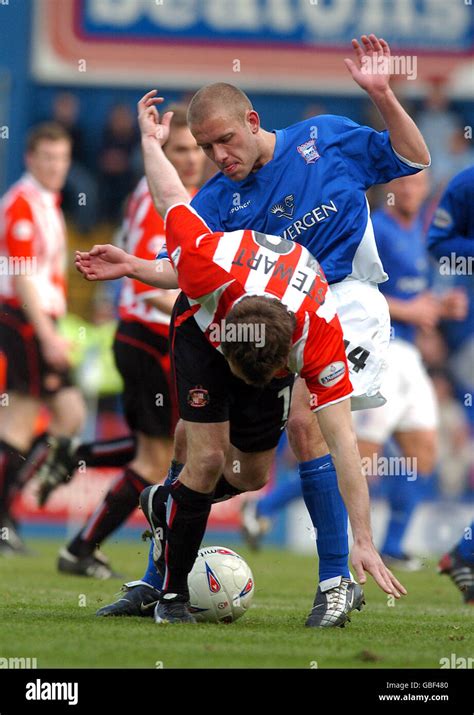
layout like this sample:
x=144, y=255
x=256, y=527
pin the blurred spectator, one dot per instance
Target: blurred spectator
x=459, y=155
x=454, y=446
x=119, y=141
x=80, y=191
x=437, y=122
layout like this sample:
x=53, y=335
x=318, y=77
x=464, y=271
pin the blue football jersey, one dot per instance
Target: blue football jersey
x=452, y=229
x=313, y=192
x=451, y=237
x=403, y=253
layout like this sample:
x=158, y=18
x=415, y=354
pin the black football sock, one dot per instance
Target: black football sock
x=11, y=462
x=35, y=457
x=187, y=514
x=119, y=502
x=224, y=490
x=108, y=453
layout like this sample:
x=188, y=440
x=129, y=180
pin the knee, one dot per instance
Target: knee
x=208, y=465
x=427, y=456
x=180, y=443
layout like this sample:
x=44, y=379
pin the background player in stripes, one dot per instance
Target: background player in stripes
x=141, y=350
x=32, y=297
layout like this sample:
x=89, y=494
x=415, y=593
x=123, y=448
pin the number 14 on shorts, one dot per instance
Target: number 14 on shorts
x=357, y=356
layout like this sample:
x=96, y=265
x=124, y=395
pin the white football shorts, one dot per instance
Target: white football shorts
x=365, y=319
x=411, y=400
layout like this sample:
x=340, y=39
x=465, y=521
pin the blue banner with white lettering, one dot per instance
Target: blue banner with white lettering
x=440, y=25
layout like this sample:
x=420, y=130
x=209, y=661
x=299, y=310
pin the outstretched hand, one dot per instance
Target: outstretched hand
x=149, y=118
x=372, y=66
x=103, y=263
x=367, y=559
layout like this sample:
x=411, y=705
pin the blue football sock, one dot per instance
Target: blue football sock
x=279, y=497
x=151, y=574
x=465, y=547
x=328, y=514
x=173, y=472
x=403, y=498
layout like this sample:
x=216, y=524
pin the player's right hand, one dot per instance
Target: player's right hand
x=55, y=351
x=365, y=558
x=103, y=263
x=149, y=118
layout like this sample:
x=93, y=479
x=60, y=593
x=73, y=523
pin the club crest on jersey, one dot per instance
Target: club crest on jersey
x=198, y=397
x=284, y=208
x=332, y=374
x=308, y=151
x=212, y=580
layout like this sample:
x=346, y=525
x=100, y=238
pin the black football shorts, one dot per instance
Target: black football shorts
x=207, y=391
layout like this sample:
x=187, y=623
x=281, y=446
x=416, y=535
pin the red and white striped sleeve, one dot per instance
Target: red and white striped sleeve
x=191, y=246
x=325, y=368
x=20, y=229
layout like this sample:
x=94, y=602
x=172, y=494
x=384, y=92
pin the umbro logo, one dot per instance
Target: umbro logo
x=284, y=208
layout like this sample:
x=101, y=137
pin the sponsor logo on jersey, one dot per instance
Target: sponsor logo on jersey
x=284, y=208
x=332, y=374
x=198, y=397
x=308, y=151
x=240, y=207
x=212, y=580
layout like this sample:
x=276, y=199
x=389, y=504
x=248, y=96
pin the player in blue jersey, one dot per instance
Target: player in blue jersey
x=308, y=183
x=410, y=413
x=451, y=241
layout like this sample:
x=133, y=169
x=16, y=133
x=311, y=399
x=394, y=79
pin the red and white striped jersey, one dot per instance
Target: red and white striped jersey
x=144, y=235
x=33, y=239
x=217, y=269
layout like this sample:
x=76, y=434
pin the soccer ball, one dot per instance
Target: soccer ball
x=221, y=586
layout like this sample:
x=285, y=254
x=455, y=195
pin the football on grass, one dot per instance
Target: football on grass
x=221, y=586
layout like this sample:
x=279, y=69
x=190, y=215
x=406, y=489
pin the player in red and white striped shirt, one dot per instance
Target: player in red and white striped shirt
x=32, y=297
x=245, y=279
x=141, y=350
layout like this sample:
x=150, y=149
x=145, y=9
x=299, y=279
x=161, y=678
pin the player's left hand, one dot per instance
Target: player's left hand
x=367, y=559
x=149, y=118
x=371, y=65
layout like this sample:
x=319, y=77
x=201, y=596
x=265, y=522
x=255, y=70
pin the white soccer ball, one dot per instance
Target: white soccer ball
x=221, y=586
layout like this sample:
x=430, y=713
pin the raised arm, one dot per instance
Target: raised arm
x=165, y=185
x=371, y=70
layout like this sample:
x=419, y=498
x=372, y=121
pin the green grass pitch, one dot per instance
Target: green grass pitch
x=50, y=617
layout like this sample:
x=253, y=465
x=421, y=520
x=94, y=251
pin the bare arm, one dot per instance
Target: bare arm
x=107, y=262
x=166, y=187
x=336, y=426
x=371, y=70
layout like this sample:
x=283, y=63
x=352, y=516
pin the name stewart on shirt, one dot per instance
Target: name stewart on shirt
x=297, y=280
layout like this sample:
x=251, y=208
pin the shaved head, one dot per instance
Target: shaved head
x=221, y=98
